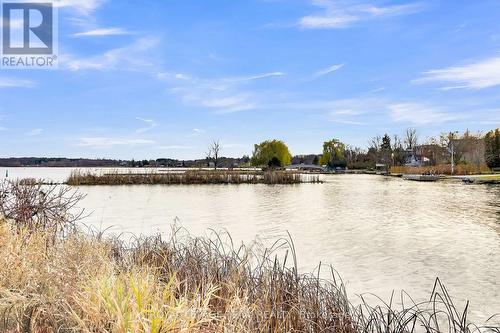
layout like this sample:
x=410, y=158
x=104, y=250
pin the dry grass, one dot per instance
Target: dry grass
x=195, y=177
x=443, y=169
x=85, y=282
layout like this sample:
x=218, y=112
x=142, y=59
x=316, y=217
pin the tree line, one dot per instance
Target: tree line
x=465, y=148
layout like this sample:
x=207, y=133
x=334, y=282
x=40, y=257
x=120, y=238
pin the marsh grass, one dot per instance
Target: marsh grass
x=194, y=177
x=89, y=282
x=443, y=169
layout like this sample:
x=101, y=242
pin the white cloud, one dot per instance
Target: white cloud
x=102, y=32
x=198, y=131
x=165, y=76
x=109, y=142
x=222, y=95
x=419, y=114
x=342, y=14
x=328, y=70
x=15, y=83
x=129, y=58
x=181, y=76
x=84, y=7
x=229, y=104
x=348, y=106
x=351, y=111
x=256, y=77
x=35, y=132
x=150, y=124
x=371, y=110
x=377, y=90
x=479, y=75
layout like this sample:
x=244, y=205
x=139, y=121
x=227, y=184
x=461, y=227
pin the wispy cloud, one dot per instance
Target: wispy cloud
x=196, y=132
x=370, y=110
x=352, y=111
x=135, y=56
x=342, y=14
x=109, y=142
x=255, y=77
x=102, y=32
x=150, y=124
x=478, y=75
x=229, y=104
x=377, y=90
x=35, y=132
x=15, y=83
x=222, y=95
x=419, y=114
x=328, y=70
x=84, y=7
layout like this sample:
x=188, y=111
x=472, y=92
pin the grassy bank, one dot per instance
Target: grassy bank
x=194, y=177
x=56, y=278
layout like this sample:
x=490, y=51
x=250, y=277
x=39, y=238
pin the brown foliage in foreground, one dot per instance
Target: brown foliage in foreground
x=84, y=282
x=442, y=169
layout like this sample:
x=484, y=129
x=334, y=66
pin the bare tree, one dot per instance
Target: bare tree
x=375, y=143
x=208, y=156
x=214, y=152
x=411, y=139
x=398, y=156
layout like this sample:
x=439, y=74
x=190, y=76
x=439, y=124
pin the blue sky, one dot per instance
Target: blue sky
x=150, y=79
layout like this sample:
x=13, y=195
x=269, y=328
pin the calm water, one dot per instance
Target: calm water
x=381, y=234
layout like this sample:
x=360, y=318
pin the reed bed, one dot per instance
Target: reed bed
x=443, y=169
x=190, y=177
x=86, y=282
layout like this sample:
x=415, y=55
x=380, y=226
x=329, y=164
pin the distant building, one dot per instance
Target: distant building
x=468, y=150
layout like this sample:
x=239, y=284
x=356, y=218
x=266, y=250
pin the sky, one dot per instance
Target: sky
x=154, y=78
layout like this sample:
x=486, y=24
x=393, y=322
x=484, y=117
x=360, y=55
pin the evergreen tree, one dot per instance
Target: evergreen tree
x=492, y=148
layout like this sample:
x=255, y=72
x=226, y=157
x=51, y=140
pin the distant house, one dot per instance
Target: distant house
x=467, y=150
x=429, y=154
x=413, y=157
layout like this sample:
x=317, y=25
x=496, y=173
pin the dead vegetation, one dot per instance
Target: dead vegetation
x=86, y=282
x=191, y=177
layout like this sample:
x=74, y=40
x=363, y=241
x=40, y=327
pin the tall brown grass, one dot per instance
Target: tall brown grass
x=442, y=169
x=85, y=282
x=196, y=177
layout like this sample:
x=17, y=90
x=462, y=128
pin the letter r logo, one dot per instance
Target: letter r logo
x=27, y=28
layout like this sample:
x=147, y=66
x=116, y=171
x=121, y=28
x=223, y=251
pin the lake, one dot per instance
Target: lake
x=380, y=234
